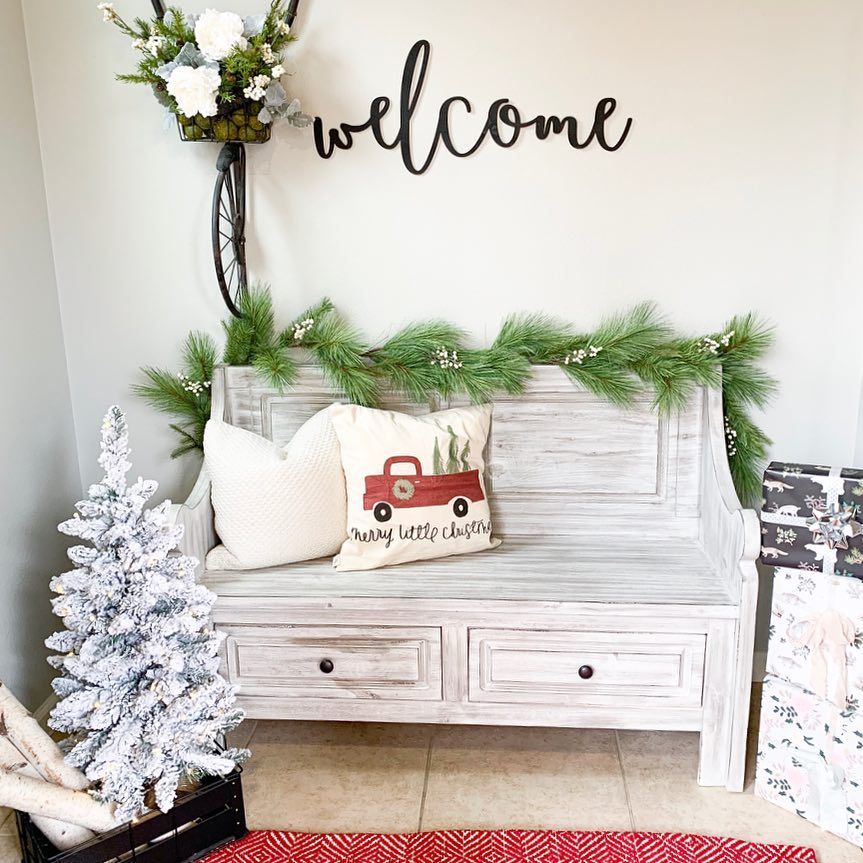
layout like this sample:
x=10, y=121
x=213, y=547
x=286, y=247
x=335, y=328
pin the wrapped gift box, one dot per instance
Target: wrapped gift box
x=810, y=759
x=806, y=509
x=816, y=635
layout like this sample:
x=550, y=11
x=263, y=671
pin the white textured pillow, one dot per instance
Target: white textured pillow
x=415, y=485
x=275, y=504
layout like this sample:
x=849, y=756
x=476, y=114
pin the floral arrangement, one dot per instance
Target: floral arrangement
x=219, y=73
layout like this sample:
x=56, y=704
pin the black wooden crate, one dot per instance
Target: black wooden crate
x=199, y=822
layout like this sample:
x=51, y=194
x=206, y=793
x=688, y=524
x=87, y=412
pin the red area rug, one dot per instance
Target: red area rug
x=502, y=846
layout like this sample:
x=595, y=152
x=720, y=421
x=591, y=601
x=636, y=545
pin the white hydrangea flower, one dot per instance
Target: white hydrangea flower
x=195, y=90
x=277, y=71
x=219, y=33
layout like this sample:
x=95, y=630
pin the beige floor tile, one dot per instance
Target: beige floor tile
x=7, y=821
x=660, y=770
x=483, y=777
x=242, y=734
x=337, y=777
x=9, y=850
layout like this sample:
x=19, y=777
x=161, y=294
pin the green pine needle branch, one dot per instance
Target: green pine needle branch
x=624, y=357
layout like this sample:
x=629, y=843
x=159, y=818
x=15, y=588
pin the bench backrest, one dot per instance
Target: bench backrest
x=560, y=460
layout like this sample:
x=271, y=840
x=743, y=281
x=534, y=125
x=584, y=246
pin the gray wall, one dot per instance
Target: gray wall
x=39, y=477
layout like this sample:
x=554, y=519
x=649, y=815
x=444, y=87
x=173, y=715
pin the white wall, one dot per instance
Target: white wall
x=39, y=477
x=739, y=188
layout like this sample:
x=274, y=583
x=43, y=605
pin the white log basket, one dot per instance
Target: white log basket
x=623, y=596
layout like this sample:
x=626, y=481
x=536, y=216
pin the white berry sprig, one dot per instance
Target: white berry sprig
x=190, y=386
x=579, y=355
x=302, y=327
x=446, y=359
x=730, y=438
x=713, y=346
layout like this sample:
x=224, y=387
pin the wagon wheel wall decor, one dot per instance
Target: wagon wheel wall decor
x=228, y=213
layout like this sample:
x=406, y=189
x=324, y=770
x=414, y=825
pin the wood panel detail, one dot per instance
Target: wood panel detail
x=364, y=662
x=543, y=667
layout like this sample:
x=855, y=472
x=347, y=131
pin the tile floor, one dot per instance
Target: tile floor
x=342, y=777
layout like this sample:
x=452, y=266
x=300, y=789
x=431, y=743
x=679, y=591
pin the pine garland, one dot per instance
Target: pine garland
x=624, y=355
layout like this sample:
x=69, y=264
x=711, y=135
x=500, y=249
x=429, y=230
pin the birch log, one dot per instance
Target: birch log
x=51, y=801
x=61, y=835
x=35, y=744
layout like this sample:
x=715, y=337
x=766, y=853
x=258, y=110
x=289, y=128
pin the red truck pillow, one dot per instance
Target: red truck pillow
x=414, y=484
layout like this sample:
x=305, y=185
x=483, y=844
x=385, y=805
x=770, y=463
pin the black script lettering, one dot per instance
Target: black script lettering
x=467, y=530
x=501, y=113
x=418, y=532
x=604, y=109
x=507, y=114
x=375, y=534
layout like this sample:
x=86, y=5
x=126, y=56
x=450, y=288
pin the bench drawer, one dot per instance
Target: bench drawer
x=334, y=661
x=578, y=668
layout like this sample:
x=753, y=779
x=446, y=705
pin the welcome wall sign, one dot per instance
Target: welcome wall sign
x=504, y=123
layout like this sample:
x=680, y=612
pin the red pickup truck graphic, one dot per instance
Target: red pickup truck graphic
x=390, y=489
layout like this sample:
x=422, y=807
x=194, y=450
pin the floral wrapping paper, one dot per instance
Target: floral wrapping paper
x=810, y=758
x=791, y=493
x=816, y=635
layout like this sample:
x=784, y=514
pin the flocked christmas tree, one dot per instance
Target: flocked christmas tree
x=140, y=693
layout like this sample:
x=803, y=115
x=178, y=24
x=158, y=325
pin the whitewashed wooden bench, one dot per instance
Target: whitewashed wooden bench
x=623, y=595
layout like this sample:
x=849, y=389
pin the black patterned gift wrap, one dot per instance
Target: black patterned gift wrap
x=811, y=518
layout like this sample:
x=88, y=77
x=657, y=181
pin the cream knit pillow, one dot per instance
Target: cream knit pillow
x=414, y=485
x=275, y=504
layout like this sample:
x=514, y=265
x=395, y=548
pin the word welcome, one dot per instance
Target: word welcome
x=504, y=123
x=425, y=531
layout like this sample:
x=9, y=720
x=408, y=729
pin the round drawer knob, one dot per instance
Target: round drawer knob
x=585, y=672
x=327, y=666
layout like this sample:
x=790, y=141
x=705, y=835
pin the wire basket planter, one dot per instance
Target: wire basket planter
x=240, y=125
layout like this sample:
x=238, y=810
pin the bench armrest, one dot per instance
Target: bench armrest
x=196, y=517
x=730, y=534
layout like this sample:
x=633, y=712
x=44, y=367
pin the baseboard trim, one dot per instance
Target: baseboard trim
x=40, y=714
x=759, y=666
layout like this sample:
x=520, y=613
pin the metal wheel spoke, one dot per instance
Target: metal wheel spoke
x=229, y=185
x=229, y=271
x=228, y=218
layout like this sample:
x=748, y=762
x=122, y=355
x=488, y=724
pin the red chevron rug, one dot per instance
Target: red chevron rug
x=502, y=846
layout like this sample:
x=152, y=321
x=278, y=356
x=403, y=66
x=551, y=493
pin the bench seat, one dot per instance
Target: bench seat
x=520, y=569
